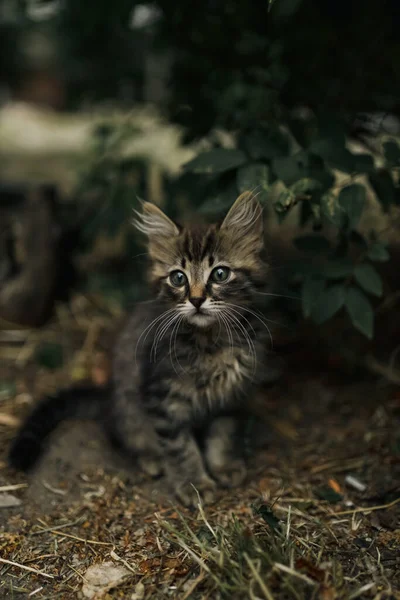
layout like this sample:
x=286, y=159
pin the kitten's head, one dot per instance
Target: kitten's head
x=206, y=270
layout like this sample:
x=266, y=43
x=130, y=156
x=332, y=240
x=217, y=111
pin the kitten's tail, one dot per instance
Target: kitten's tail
x=80, y=402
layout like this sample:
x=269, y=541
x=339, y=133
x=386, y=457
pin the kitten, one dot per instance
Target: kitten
x=186, y=362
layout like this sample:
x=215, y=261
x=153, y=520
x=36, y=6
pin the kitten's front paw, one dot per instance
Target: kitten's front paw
x=232, y=474
x=151, y=466
x=188, y=493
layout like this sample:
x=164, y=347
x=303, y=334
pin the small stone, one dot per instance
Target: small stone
x=8, y=501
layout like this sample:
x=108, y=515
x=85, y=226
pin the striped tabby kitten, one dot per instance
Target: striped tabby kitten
x=186, y=362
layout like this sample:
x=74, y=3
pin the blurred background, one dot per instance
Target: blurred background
x=187, y=105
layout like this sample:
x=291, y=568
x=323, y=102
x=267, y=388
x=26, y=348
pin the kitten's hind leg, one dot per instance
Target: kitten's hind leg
x=221, y=452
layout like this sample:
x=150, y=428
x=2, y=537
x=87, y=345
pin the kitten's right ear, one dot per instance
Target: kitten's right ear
x=154, y=223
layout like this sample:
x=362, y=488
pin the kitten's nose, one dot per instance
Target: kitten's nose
x=197, y=301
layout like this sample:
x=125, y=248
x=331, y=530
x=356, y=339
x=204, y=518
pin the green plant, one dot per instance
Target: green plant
x=337, y=267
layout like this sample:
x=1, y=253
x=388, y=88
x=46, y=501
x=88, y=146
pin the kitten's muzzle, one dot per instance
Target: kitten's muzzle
x=197, y=301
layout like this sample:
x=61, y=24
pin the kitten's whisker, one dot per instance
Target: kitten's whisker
x=250, y=343
x=260, y=318
x=172, y=344
x=161, y=331
x=149, y=328
x=228, y=330
x=278, y=295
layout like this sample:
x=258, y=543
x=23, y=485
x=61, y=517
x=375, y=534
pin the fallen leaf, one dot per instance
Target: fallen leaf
x=101, y=578
x=314, y=572
x=335, y=486
x=8, y=500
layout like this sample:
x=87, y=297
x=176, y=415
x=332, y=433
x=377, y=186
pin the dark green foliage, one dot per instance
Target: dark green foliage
x=292, y=83
x=360, y=311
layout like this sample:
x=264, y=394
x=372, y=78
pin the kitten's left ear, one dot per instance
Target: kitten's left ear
x=245, y=216
x=154, y=223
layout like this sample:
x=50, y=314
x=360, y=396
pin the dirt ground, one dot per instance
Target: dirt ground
x=313, y=430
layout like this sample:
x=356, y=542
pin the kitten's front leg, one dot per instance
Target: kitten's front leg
x=222, y=456
x=184, y=466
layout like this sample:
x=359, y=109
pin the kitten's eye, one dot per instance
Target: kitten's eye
x=220, y=274
x=177, y=278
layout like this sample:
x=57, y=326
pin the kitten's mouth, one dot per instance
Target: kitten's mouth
x=201, y=318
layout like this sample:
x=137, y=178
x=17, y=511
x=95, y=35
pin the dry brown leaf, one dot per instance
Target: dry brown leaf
x=335, y=486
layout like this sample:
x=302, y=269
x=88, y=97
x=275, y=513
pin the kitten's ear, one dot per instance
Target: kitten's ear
x=154, y=223
x=245, y=216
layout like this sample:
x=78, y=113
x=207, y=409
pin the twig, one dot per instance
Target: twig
x=117, y=558
x=39, y=589
x=79, y=539
x=46, y=529
x=366, y=509
x=25, y=568
x=53, y=489
x=15, y=486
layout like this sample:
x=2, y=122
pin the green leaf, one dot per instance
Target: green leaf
x=306, y=186
x=265, y=512
x=312, y=289
x=302, y=165
x=254, y=177
x=216, y=205
x=266, y=144
x=303, y=130
x=352, y=199
x=338, y=268
x=335, y=154
x=331, y=209
x=363, y=163
x=285, y=201
x=378, y=252
x=392, y=153
x=288, y=169
x=313, y=244
x=360, y=311
x=328, y=303
x=384, y=188
x=50, y=356
x=369, y=279
x=216, y=161
x=328, y=494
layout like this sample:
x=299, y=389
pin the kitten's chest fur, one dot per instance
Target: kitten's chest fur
x=209, y=372
x=214, y=375
x=199, y=372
